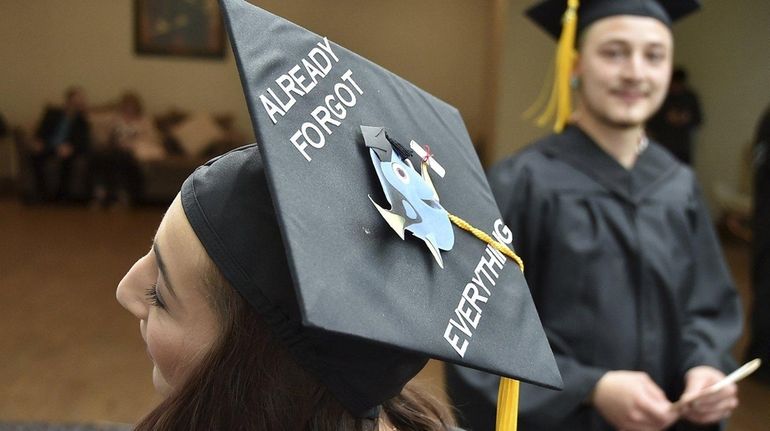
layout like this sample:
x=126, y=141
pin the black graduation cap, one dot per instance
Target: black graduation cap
x=548, y=14
x=302, y=223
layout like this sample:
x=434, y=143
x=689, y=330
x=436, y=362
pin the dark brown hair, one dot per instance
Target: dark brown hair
x=249, y=381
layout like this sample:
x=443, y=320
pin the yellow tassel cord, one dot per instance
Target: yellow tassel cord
x=543, y=97
x=559, y=107
x=478, y=233
x=508, y=392
x=507, y=404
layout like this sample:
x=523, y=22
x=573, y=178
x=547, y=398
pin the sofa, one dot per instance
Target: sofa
x=188, y=139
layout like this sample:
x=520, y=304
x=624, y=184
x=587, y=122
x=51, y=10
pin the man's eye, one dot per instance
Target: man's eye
x=613, y=54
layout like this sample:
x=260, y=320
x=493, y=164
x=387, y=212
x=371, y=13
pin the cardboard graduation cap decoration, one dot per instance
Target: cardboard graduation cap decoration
x=308, y=224
x=565, y=20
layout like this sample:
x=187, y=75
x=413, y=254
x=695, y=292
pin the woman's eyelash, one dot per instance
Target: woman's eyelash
x=152, y=296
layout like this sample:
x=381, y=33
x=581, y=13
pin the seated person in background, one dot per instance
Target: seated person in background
x=64, y=134
x=620, y=252
x=133, y=138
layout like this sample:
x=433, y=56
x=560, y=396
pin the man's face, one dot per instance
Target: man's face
x=624, y=69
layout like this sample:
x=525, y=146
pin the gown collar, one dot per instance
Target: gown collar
x=579, y=150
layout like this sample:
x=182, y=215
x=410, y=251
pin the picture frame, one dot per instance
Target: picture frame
x=185, y=28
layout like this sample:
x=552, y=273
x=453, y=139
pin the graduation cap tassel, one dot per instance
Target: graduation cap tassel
x=478, y=233
x=564, y=60
x=508, y=392
x=543, y=97
x=560, y=104
x=507, y=405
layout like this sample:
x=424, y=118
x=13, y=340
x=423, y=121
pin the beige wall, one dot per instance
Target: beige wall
x=439, y=45
x=50, y=44
x=725, y=47
x=526, y=54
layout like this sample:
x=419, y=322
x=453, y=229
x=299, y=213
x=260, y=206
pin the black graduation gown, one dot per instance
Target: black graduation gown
x=625, y=270
x=760, y=318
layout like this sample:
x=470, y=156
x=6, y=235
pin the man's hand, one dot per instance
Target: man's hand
x=710, y=407
x=64, y=150
x=631, y=401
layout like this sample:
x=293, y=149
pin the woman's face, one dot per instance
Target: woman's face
x=165, y=290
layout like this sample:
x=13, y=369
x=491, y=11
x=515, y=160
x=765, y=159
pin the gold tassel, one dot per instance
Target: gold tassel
x=478, y=233
x=507, y=405
x=559, y=107
x=508, y=391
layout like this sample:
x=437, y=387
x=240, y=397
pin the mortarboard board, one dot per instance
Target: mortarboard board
x=565, y=19
x=301, y=224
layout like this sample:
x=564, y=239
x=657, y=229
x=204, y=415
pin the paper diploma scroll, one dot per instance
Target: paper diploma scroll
x=734, y=377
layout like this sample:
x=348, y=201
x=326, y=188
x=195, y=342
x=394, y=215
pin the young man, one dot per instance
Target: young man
x=619, y=250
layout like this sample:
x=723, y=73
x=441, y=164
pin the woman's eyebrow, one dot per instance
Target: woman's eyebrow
x=162, y=268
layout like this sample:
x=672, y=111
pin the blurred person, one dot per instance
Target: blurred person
x=620, y=252
x=759, y=346
x=675, y=123
x=116, y=169
x=62, y=134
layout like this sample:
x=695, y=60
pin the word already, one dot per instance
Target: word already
x=334, y=109
x=477, y=292
x=317, y=65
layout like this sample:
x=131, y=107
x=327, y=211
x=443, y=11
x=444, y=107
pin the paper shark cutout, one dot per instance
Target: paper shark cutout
x=414, y=203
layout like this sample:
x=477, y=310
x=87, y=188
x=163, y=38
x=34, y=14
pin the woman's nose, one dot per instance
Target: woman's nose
x=132, y=289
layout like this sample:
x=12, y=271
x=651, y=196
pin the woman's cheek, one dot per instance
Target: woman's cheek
x=165, y=353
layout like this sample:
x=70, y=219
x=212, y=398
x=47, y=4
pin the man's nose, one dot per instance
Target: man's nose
x=634, y=67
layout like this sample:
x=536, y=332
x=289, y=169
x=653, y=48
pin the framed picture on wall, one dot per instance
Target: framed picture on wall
x=189, y=28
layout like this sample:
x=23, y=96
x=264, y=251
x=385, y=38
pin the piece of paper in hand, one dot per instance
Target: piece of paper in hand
x=741, y=373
